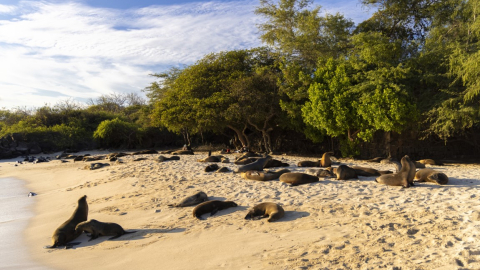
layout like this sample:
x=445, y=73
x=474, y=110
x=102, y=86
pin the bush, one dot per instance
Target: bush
x=117, y=133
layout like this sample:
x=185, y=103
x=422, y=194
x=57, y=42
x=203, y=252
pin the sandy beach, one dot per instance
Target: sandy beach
x=331, y=224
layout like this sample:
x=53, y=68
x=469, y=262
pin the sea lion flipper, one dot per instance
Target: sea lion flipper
x=131, y=232
x=49, y=247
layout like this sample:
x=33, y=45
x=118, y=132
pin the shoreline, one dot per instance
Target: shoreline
x=328, y=224
x=16, y=211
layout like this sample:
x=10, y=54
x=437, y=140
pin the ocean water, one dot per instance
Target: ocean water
x=15, y=210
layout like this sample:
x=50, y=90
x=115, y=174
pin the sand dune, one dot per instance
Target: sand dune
x=354, y=224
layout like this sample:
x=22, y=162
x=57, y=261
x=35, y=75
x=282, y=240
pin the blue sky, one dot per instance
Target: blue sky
x=54, y=50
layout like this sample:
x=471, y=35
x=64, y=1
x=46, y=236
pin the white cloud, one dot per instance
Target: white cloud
x=83, y=52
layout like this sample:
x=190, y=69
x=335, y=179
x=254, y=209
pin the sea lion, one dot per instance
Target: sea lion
x=308, y=163
x=211, y=159
x=245, y=161
x=211, y=207
x=419, y=165
x=344, y=172
x=365, y=171
x=144, y=152
x=432, y=176
x=94, y=166
x=326, y=161
x=430, y=161
x=263, y=176
x=211, y=168
x=97, y=228
x=163, y=158
x=397, y=179
x=376, y=159
x=296, y=179
x=272, y=163
x=255, y=166
x=195, y=199
x=267, y=209
x=117, y=155
x=411, y=172
x=65, y=233
x=182, y=152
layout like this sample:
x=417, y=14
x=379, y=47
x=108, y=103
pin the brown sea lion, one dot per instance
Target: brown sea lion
x=97, y=228
x=308, y=163
x=397, y=179
x=344, y=172
x=182, y=152
x=430, y=161
x=272, y=163
x=267, y=209
x=94, y=166
x=255, y=166
x=195, y=199
x=117, y=155
x=263, y=176
x=211, y=159
x=365, y=171
x=245, y=161
x=376, y=159
x=144, y=152
x=411, y=172
x=211, y=168
x=320, y=172
x=66, y=233
x=211, y=207
x=326, y=161
x=163, y=158
x=432, y=176
x=296, y=179
x=419, y=165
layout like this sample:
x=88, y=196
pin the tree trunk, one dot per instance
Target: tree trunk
x=241, y=137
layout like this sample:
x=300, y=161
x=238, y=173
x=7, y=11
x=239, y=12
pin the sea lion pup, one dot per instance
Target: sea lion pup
x=211, y=207
x=365, y=171
x=211, y=168
x=296, y=179
x=344, y=172
x=275, y=163
x=326, y=161
x=267, y=209
x=308, y=163
x=430, y=161
x=263, y=176
x=97, y=228
x=66, y=232
x=195, y=199
x=397, y=179
x=255, y=166
x=432, y=176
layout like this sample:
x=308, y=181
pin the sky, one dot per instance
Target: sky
x=57, y=50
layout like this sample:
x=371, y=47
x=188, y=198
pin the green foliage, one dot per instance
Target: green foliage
x=117, y=133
